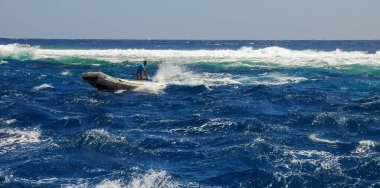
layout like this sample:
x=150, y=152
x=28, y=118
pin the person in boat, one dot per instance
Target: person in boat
x=141, y=70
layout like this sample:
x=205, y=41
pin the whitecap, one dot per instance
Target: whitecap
x=280, y=81
x=174, y=74
x=270, y=79
x=47, y=180
x=19, y=136
x=314, y=137
x=120, y=91
x=215, y=124
x=104, y=135
x=151, y=87
x=42, y=76
x=153, y=179
x=322, y=160
x=65, y=73
x=9, y=121
x=271, y=55
x=110, y=184
x=3, y=62
x=43, y=86
x=365, y=147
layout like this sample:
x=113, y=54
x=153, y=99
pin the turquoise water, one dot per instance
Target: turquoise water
x=232, y=113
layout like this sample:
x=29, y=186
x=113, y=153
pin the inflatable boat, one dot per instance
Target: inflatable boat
x=106, y=82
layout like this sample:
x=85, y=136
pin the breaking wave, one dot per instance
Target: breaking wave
x=269, y=55
x=150, y=179
x=315, y=138
x=17, y=137
x=43, y=86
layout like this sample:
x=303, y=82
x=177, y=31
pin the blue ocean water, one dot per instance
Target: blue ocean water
x=231, y=114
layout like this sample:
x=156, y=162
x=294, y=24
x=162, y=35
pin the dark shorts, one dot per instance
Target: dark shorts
x=139, y=76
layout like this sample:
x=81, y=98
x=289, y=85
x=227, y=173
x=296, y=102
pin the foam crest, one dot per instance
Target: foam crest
x=272, y=79
x=215, y=124
x=102, y=133
x=110, y=184
x=271, y=55
x=65, y=73
x=18, y=51
x=153, y=179
x=365, y=147
x=151, y=87
x=175, y=74
x=322, y=160
x=43, y=86
x=18, y=136
x=314, y=137
x=8, y=121
x=100, y=136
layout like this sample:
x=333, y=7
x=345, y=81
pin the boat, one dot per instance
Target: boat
x=103, y=81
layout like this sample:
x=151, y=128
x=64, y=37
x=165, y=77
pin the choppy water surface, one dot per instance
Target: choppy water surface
x=233, y=113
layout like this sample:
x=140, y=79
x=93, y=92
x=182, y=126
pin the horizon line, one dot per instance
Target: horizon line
x=41, y=38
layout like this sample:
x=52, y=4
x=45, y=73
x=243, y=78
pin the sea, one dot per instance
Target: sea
x=229, y=114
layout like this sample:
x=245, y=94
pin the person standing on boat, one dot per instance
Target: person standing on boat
x=141, y=70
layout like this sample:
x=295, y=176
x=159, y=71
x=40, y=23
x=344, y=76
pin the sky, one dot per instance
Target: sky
x=191, y=19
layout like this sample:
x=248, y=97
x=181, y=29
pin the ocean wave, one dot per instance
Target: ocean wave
x=175, y=74
x=315, y=138
x=111, y=184
x=102, y=141
x=65, y=73
x=43, y=86
x=99, y=137
x=215, y=124
x=8, y=121
x=150, y=179
x=15, y=137
x=19, y=136
x=153, y=179
x=272, y=78
x=272, y=55
x=365, y=147
x=320, y=161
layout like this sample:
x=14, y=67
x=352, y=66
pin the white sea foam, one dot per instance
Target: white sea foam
x=322, y=160
x=80, y=184
x=272, y=79
x=214, y=125
x=47, y=180
x=110, y=184
x=120, y=91
x=3, y=62
x=153, y=179
x=8, y=121
x=308, y=153
x=103, y=134
x=65, y=73
x=151, y=87
x=271, y=55
x=314, y=137
x=43, y=86
x=365, y=147
x=174, y=74
x=19, y=136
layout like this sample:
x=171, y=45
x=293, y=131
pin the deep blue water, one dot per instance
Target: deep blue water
x=232, y=114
